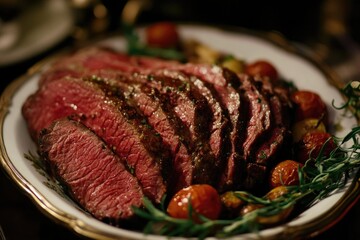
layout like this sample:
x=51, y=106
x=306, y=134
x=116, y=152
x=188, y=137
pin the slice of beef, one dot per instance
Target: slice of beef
x=111, y=119
x=259, y=112
x=279, y=135
x=93, y=175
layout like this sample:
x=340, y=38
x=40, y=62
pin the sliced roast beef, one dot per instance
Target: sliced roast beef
x=93, y=175
x=111, y=119
x=193, y=110
x=219, y=127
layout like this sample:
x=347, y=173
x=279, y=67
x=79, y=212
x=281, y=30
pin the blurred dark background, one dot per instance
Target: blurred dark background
x=329, y=28
x=297, y=20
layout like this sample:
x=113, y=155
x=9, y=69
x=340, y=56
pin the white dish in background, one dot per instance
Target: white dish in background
x=40, y=26
x=15, y=140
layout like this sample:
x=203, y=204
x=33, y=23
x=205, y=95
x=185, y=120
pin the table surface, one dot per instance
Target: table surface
x=21, y=219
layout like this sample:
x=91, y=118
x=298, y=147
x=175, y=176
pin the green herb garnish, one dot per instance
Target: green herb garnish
x=352, y=104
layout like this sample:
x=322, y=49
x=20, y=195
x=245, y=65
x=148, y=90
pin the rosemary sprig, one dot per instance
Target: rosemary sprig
x=318, y=178
x=352, y=104
x=157, y=217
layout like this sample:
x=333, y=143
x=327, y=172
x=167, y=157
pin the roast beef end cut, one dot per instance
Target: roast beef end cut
x=95, y=177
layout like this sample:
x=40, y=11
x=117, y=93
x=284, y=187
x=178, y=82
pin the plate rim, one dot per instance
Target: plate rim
x=309, y=229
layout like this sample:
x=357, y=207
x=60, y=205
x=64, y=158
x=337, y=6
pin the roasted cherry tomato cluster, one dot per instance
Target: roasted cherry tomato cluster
x=310, y=126
x=310, y=137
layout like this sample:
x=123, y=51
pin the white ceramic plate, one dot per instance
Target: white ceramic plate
x=40, y=26
x=306, y=74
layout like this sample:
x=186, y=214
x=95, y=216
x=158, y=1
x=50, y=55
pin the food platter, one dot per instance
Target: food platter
x=305, y=72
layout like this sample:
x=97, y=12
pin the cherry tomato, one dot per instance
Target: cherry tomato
x=312, y=143
x=204, y=200
x=308, y=105
x=285, y=173
x=262, y=68
x=307, y=125
x=162, y=35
